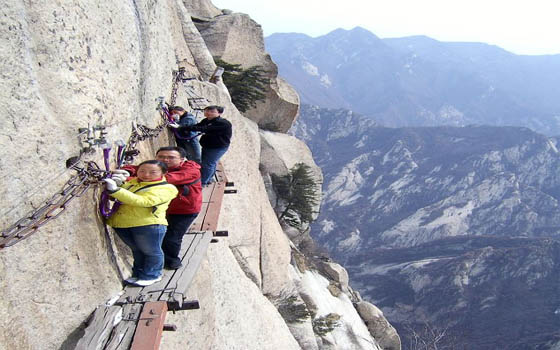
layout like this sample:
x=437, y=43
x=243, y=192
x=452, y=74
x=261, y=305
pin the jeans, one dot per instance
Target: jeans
x=145, y=243
x=192, y=147
x=178, y=226
x=210, y=158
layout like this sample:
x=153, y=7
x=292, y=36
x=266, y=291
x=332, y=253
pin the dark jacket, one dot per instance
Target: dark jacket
x=187, y=173
x=217, y=132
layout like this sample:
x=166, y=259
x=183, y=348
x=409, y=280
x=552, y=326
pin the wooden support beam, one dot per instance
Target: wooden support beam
x=182, y=279
x=150, y=326
x=99, y=327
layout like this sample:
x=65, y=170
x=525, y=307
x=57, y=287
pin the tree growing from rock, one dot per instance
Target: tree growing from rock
x=245, y=86
x=298, y=191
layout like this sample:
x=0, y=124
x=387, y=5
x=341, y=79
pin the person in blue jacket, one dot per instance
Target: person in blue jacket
x=187, y=140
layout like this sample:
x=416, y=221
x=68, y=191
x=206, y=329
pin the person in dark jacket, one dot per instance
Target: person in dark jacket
x=183, y=210
x=214, y=141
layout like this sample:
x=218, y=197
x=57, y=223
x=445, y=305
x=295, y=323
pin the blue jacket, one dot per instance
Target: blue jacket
x=187, y=120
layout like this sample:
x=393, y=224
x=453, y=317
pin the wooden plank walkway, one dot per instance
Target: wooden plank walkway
x=135, y=320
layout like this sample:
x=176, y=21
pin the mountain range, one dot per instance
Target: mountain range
x=457, y=228
x=419, y=81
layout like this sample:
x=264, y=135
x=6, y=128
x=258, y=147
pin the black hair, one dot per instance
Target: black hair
x=159, y=163
x=220, y=109
x=181, y=150
x=176, y=108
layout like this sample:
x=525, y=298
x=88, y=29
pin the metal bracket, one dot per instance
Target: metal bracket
x=176, y=305
x=160, y=102
x=95, y=135
x=169, y=327
x=221, y=234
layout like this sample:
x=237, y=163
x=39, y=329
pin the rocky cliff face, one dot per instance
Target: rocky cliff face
x=451, y=228
x=67, y=64
x=222, y=35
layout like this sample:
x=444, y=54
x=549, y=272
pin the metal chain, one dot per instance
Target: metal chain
x=177, y=75
x=76, y=186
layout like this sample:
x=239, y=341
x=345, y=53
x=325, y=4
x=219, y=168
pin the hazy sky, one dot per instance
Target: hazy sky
x=521, y=26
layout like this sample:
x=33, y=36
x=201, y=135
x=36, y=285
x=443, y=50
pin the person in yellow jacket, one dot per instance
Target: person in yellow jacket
x=140, y=220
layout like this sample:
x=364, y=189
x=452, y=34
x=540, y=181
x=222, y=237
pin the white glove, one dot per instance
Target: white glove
x=119, y=179
x=174, y=125
x=121, y=172
x=111, y=185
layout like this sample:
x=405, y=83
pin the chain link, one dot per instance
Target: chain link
x=76, y=186
x=177, y=75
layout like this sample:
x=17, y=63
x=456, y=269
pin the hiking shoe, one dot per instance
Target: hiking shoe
x=144, y=283
x=131, y=280
x=173, y=266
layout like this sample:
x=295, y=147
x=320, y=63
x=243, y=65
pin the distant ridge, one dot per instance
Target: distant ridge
x=419, y=81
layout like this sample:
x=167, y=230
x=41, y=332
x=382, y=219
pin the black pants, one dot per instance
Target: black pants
x=171, y=246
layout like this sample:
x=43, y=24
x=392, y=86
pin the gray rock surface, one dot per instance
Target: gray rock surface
x=223, y=35
x=233, y=314
x=67, y=64
x=202, y=9
x=378, y=326
x=336, y=272
x=58, y=75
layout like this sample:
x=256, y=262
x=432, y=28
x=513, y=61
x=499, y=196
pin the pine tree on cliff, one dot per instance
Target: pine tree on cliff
x=246, y=86
x=298, y=190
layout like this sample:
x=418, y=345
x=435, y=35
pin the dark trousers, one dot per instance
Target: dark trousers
x=177, y=227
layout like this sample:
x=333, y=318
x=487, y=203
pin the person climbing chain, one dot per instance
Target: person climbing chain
x=140, y=219
x=189, y=139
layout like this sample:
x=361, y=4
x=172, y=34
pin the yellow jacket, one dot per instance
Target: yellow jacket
x=145, y=207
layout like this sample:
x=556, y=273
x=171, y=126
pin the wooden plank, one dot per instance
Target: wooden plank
x=213, y=213
x=220, y=173
x=197, y=223
x=99, y=328
x=154, y=291
x=121, y=338
x=171, y=290
x=183, y=278
x=150, y=326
